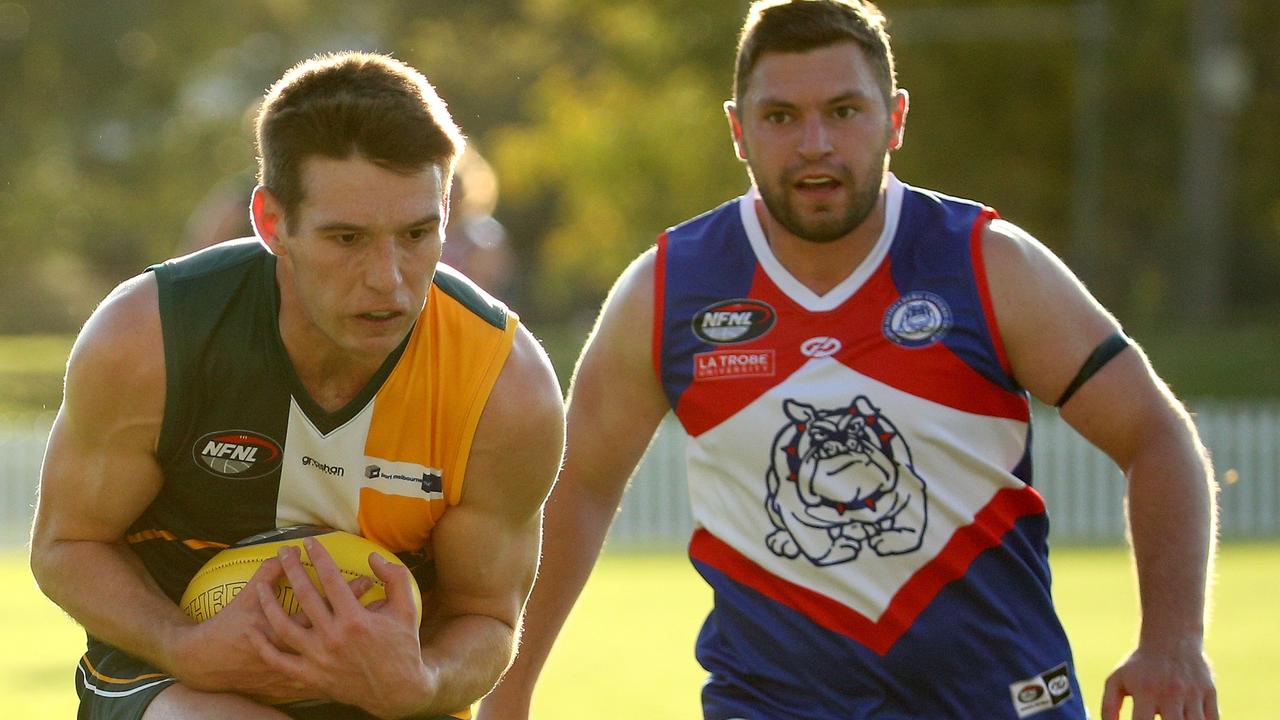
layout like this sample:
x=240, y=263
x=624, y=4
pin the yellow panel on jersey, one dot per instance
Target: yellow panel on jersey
x=426, y=413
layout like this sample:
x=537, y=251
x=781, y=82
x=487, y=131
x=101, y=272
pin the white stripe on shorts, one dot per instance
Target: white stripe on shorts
x=116, y=693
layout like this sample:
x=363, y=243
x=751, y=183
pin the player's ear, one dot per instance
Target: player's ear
x=735, y=128
x=267, y=215
x=898, y=106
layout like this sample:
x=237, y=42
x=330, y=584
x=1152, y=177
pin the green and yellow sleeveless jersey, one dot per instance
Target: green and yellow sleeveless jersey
x=244, y=449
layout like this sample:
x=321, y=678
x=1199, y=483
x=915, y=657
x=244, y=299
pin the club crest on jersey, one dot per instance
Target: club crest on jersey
x=841, y=480
x=733, y=321
x=237, y=454
x=917, y=319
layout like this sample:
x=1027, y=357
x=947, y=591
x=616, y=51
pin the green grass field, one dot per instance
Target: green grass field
x=627, y=650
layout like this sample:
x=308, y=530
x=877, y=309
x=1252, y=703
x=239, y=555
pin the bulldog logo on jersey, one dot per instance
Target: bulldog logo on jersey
x=841, y=479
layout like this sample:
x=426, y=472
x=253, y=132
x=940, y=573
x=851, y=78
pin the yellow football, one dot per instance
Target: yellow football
x=218, y=582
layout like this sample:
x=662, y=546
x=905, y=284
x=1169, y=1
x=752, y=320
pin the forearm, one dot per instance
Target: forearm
x=1172, y=525
x=464, y=657
x=105, y=588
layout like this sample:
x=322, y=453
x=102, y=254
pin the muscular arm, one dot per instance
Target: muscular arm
x=100, y=473
x=487, y=547
x=615, y=405
x=1127, y=411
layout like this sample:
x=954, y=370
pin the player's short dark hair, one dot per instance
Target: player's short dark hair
x=804, y=25
x=352, y=103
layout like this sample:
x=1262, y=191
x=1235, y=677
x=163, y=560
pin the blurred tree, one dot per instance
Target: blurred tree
x=603, y=120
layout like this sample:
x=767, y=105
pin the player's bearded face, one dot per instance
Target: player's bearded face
x=816, y=128
x=829, y=219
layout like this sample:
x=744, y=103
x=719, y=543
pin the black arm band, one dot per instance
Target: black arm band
x=1101, y=355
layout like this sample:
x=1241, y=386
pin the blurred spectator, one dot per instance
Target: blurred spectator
x=475, y=242
x=223, y=214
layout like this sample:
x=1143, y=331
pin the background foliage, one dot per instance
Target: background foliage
x=604, y=123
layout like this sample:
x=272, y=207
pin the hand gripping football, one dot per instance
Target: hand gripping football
x=218, y=582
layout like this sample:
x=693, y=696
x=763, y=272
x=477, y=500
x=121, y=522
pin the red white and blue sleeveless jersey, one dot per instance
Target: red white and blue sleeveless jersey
x=860, y=475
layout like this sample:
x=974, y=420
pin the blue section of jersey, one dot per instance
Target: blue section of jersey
x=931, y=253
x=1023, y=470
x=975, y=640
x=708, y=259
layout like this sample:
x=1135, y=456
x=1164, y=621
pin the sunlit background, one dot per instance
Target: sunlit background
x=1137, y=138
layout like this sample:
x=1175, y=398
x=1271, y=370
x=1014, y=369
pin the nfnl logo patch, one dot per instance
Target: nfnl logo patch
x=733, y=321
x=237, y=454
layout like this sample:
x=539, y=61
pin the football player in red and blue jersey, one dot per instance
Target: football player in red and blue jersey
x=853, y=360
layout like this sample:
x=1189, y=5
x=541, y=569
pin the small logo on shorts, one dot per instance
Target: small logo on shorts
x=1043, y=692
x=237, y=454
x=917, y=319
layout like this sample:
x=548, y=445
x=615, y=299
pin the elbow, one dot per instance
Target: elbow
x=42, y=563
x=45, y=557
x=43, y=548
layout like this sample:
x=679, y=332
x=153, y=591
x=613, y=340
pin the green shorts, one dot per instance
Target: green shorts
x=115, y=686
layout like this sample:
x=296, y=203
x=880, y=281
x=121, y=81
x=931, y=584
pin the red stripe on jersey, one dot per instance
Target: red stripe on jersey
x=706, y=404
x=659, y=303
x=934, y=372
x=986, y=531
x=984, y=292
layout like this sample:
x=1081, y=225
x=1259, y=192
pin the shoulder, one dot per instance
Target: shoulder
x=623, y=330
x=470, y=296
x=727, y=212
x=125, y=328
x=635, y=284
x=1025, y=277
x=528, y=371
x=1047, y=319
x=118, y=357
x=521, y=432
x=211, y=260
x=1008, y=248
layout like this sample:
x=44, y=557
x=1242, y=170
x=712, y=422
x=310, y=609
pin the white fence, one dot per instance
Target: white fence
x=1082, y=488
x=21, y=448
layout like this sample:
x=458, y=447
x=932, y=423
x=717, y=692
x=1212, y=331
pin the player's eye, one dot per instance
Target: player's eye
x=422, y=232
x=845, y=112
x=347, y=238
x=778, y=117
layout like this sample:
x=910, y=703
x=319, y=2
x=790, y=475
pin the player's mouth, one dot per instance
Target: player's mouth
x=818, y=186
x=380, y=317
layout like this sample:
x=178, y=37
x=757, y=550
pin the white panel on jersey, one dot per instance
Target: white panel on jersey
x=796, y=290
x=322, y=474
x=960, y=458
